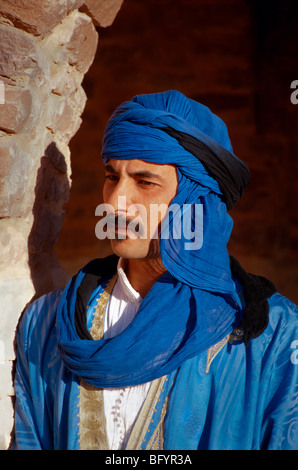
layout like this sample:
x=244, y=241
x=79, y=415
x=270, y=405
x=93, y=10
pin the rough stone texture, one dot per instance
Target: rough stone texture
x=16, y=109
x=46, y=49
x=103, y=12
x=40, y=17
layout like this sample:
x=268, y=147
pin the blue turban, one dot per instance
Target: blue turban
x=143, y=129
x=195, y=303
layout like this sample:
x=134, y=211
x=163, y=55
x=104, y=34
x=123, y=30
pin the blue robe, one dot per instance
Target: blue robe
x=232, y=396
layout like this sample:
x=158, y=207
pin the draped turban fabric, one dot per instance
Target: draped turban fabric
x=139, y=129
x=195, y=304
x=136, y=130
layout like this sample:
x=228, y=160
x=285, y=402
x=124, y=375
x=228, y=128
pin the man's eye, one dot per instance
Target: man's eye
x=146, y=183
x=111, y=178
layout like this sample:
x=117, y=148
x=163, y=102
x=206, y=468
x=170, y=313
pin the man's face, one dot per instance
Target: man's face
x=131, y=187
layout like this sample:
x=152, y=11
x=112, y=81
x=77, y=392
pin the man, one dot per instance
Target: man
x=164, y=345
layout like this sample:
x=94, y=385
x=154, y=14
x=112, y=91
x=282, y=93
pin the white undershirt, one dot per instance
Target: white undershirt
x=121, y=405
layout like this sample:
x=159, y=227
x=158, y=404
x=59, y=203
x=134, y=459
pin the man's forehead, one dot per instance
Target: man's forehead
x=137, y=165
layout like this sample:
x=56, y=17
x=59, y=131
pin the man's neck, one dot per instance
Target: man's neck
x=143, y=273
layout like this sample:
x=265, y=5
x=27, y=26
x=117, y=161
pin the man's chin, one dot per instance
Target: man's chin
x=128, y=248
x=135, y=249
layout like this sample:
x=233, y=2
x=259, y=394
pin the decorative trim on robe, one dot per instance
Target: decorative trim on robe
x=145, y=424
x=236, y=335
x=92, y=428
x=147, y=431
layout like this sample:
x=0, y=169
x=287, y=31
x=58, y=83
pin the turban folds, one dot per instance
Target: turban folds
x=137, y=130
x=157, y=128
x=197, y=291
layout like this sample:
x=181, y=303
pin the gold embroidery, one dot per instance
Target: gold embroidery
x=92, y=429
x=92, y=422
x=144, y=420
x=157, y=439
x=99, y=314
x=214, y=350
x=236, y=335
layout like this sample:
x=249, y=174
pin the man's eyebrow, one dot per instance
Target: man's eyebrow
x=111, y=169
x=137, y=173
x=145, y=174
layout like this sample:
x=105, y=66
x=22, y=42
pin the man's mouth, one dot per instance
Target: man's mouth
x=121, y=227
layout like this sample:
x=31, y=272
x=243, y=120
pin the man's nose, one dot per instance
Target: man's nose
x=121, y=196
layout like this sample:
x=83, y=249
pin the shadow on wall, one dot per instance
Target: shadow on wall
x=51, y=193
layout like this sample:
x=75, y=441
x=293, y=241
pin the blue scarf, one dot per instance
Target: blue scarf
x=194, y=304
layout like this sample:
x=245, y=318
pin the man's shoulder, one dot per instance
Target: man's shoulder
x=39, y=315
x=282, y=310
x=282, y=327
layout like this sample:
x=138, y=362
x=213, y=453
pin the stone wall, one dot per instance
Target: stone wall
x=46, y=48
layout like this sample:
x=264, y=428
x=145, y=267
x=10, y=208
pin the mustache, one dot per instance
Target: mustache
x=120, y=221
